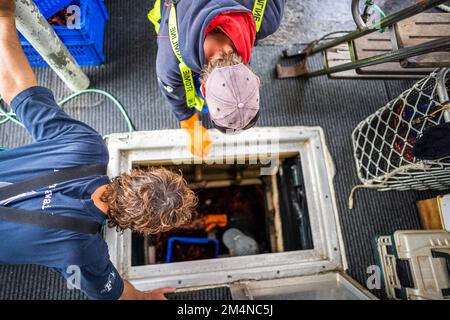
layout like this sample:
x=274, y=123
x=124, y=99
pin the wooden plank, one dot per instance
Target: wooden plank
x=341, y=54
x=380, y=43
x=422, y=28
x=429, y=214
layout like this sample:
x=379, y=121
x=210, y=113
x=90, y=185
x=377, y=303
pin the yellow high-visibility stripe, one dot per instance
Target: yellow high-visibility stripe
x=192, y=100
x=258, y=12
x=155, y=15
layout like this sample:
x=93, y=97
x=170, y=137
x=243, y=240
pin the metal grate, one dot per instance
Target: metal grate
x=383, y=142
x=219, y=293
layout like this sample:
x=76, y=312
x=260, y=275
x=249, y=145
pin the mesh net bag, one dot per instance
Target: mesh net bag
x=383, y=142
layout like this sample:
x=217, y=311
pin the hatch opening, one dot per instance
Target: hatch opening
x=241, y=212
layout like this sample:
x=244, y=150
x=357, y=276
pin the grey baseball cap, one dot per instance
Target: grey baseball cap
x=232, y=95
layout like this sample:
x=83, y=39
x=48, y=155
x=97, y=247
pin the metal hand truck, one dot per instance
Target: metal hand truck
x=301, y=69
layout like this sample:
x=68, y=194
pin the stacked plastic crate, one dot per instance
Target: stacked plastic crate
x=85, y=41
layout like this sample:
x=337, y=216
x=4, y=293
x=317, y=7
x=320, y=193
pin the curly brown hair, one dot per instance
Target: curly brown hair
x=149, y=202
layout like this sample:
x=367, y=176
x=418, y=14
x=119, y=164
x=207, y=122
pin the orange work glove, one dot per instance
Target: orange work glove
x=199, y=142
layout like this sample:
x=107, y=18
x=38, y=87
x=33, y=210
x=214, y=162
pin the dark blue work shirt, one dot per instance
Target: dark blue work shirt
x=193, y=18
x=60, y=142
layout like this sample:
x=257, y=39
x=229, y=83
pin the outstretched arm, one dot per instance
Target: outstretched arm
x=16, y=74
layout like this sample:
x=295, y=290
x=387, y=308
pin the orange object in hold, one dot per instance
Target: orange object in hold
x=207, y=222
x=212, y=221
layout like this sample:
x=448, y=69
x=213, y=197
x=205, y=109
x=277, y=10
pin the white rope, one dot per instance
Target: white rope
x=352, y=193
x=381, y=184
x=444, y=7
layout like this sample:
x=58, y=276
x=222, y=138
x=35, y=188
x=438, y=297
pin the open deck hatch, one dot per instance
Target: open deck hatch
x=272, y=184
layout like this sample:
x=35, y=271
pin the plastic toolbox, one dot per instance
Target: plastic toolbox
x=415, y=264
x=86, y=43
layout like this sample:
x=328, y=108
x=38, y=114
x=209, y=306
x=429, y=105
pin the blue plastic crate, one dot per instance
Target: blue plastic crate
x=86, y=43
x=49, y=7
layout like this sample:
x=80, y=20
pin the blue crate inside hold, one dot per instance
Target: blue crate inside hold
x=85, y=43
x=49, y=7
x=203, y=241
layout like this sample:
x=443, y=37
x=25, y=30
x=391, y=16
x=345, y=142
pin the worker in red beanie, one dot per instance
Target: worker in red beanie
x=204, y=48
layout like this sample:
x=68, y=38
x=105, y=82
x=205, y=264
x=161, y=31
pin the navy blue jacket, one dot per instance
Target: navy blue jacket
x=59, y=142
x=193, y=18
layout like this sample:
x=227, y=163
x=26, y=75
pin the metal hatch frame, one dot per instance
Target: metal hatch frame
x=264, y=144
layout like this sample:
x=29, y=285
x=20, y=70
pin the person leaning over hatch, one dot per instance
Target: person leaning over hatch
x=204, y=47
x=63, y=214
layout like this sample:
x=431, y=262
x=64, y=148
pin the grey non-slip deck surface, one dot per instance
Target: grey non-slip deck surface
x=335, y=105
